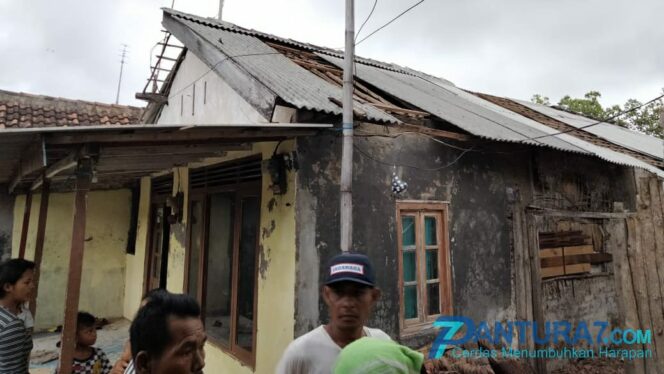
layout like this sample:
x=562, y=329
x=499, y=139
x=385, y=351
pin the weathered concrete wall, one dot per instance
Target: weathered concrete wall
x=103, y=284
x=475, y=188
x=215, y=104
x=6, y=225
x=480, y=188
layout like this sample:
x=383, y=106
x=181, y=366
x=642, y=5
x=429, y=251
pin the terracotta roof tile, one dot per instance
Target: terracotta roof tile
x=26, y=110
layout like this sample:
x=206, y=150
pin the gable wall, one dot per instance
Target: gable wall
x=208, y=100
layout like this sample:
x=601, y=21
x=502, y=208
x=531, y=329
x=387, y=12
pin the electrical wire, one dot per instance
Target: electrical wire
x=391, y=21
x=366, y=20
x=620, y=114
x=365, y=154
x=416, y=133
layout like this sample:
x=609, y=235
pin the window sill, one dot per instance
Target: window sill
x=417, y=330
x=244, y=361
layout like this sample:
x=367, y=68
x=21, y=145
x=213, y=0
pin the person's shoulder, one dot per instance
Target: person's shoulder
x=10, y=324
x=99, y=352
x=7, y=318
x=299, y=349
x=377, y=333
x=312, y=336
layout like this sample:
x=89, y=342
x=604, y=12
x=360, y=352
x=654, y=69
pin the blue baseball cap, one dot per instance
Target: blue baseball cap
x=352, y=267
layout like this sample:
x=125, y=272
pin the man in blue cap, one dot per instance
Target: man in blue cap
x=350, y=295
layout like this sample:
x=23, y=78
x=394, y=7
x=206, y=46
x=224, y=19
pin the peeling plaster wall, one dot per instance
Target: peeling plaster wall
x=475, y=188
x=178, y=239
x=6, y=225
x=104, y=258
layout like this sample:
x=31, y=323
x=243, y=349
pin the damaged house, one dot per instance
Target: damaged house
x=514, y=211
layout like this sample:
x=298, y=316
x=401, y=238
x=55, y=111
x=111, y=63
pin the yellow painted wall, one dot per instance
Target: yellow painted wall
x=134, y=278
x=276, y=283
x=107, y=225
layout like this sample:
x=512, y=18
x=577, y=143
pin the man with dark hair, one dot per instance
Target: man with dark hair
x=16, y=288
x=125, y=364
x=350, y=295
x=167, y=336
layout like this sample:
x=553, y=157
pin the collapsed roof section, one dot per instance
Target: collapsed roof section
x=265, y=70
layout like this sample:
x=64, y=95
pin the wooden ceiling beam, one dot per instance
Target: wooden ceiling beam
x=169, y=150
x=201, y=136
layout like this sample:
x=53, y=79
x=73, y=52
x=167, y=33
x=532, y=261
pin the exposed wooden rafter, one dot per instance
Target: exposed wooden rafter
x=32, y=159
x=64, y=164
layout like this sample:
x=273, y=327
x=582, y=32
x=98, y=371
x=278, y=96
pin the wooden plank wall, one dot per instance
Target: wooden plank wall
x=641, y=269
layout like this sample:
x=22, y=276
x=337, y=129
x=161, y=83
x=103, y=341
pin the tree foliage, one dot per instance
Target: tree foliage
x=645, y=119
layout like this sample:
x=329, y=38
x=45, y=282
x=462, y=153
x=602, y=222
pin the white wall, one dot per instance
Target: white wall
x=208, y=100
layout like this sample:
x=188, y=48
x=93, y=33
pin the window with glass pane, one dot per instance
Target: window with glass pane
x=247, y=277
x=227, y=224
x=224, y=229
x=409, y=266
x=421, y=248
x=219, y=268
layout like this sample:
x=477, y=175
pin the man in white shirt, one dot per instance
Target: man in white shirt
x=350, y=295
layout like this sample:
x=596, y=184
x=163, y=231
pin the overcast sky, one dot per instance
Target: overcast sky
x=511, y=48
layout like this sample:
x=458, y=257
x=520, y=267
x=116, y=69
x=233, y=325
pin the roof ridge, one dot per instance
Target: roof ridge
x=213, y=22
x=59, y=98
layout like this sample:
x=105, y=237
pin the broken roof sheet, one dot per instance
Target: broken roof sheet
x=439, y=97
x=460, y=108
x=286, y=79
x=215, y=23
x=633, y=140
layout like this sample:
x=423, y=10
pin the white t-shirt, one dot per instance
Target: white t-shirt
x=315, y=352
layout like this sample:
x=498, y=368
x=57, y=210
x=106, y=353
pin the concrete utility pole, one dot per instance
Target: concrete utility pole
x=122, y=62
x=346, y=211
x=221, y=9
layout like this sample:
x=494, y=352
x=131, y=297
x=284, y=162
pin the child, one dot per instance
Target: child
x=88, y=359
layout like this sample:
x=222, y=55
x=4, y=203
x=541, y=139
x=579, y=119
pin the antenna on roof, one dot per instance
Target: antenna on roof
x=122, y=62
x=221, y=9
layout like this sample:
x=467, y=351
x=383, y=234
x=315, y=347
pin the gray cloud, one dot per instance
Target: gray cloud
x=512, y=48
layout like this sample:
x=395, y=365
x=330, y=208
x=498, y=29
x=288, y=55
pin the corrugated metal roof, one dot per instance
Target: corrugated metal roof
x=462, y=109
x=633, y=140
x=213, y=22
x=294, y=84
x=439, y=97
